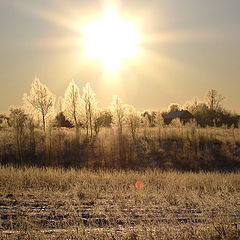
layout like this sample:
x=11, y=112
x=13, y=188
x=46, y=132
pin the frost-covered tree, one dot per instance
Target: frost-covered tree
x=192, y=106
x=118, y=110
x=145, y=122
x=59, y=105
x=90, y=108
x=133, y=120
x=213, y=100
x=159, y=121
x=173, y=107
x=72, y=105
x=40, y=102
x=118, y=113
x=18, y=121
x=3, y=121
x=104, y=119
x=150, y=117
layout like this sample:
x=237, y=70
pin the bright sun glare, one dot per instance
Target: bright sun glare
x=111, y=40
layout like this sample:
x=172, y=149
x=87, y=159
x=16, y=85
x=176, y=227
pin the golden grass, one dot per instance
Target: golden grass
x=53, y=203
x=182, y=148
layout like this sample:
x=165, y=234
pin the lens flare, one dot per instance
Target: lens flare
x=139, y=184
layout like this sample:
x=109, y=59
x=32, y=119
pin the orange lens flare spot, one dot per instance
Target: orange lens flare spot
x=139, y=184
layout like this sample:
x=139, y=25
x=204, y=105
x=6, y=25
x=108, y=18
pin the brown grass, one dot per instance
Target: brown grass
x=53, y=203
x=181, y=148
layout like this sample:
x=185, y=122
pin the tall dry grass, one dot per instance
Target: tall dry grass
x=55, y=203
x=170, y=147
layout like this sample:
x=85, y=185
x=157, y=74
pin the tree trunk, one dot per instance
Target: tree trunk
x=77, y=133
x=44, y=124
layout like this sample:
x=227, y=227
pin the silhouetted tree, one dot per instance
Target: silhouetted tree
x=213, y=100
x=104, y=119
x=61, y=121
x=4, y=121
x=192, y=106
x=150, y=117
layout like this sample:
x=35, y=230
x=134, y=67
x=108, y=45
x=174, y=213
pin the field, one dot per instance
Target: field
x=158, y=161
x=53, y=203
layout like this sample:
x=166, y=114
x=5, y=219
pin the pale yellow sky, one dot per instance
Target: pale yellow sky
x=191, y=47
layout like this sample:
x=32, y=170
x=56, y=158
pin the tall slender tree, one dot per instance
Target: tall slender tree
x=40, y=101
x=118, y=112
x=133, y=120
x=119, y=119
x=72, y=105
x=18, y=121
x=90, y=108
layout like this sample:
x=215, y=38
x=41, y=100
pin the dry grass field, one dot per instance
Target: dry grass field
x=53, y=203
x=78, y=162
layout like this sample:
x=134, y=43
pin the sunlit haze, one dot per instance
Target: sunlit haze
x=149, y=53
x=111, y=39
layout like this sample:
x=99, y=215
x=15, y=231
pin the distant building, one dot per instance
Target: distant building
x=184, y=116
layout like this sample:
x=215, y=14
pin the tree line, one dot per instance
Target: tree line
x=82, y=111
x=37, y=126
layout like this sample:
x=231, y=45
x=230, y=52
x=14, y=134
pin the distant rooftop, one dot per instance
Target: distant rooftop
x=176, y=114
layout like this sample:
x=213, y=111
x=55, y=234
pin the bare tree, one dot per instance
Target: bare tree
x=18, y=120
x=133, y=120
x=119, y=119
x=150, y=117
x=40, y=101
x=214, y=99
x=72, y=105
x=3, y=121
x=118, y=112
x=192, y=105
x=90, y=108
x=159, y=121
x=59, y=105
x=145, y=122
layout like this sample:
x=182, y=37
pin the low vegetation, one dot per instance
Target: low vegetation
x=171, y=147
x=53, y=203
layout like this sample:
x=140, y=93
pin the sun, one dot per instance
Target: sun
x=111, y=39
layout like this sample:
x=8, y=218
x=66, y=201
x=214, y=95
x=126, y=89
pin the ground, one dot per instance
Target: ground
x=83, y=204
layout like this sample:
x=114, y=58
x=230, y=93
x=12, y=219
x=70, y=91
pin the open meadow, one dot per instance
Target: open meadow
x=119, y=120
x=53, y=203
x=54, y=186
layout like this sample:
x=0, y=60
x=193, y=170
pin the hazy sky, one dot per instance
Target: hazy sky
x=192, y=46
